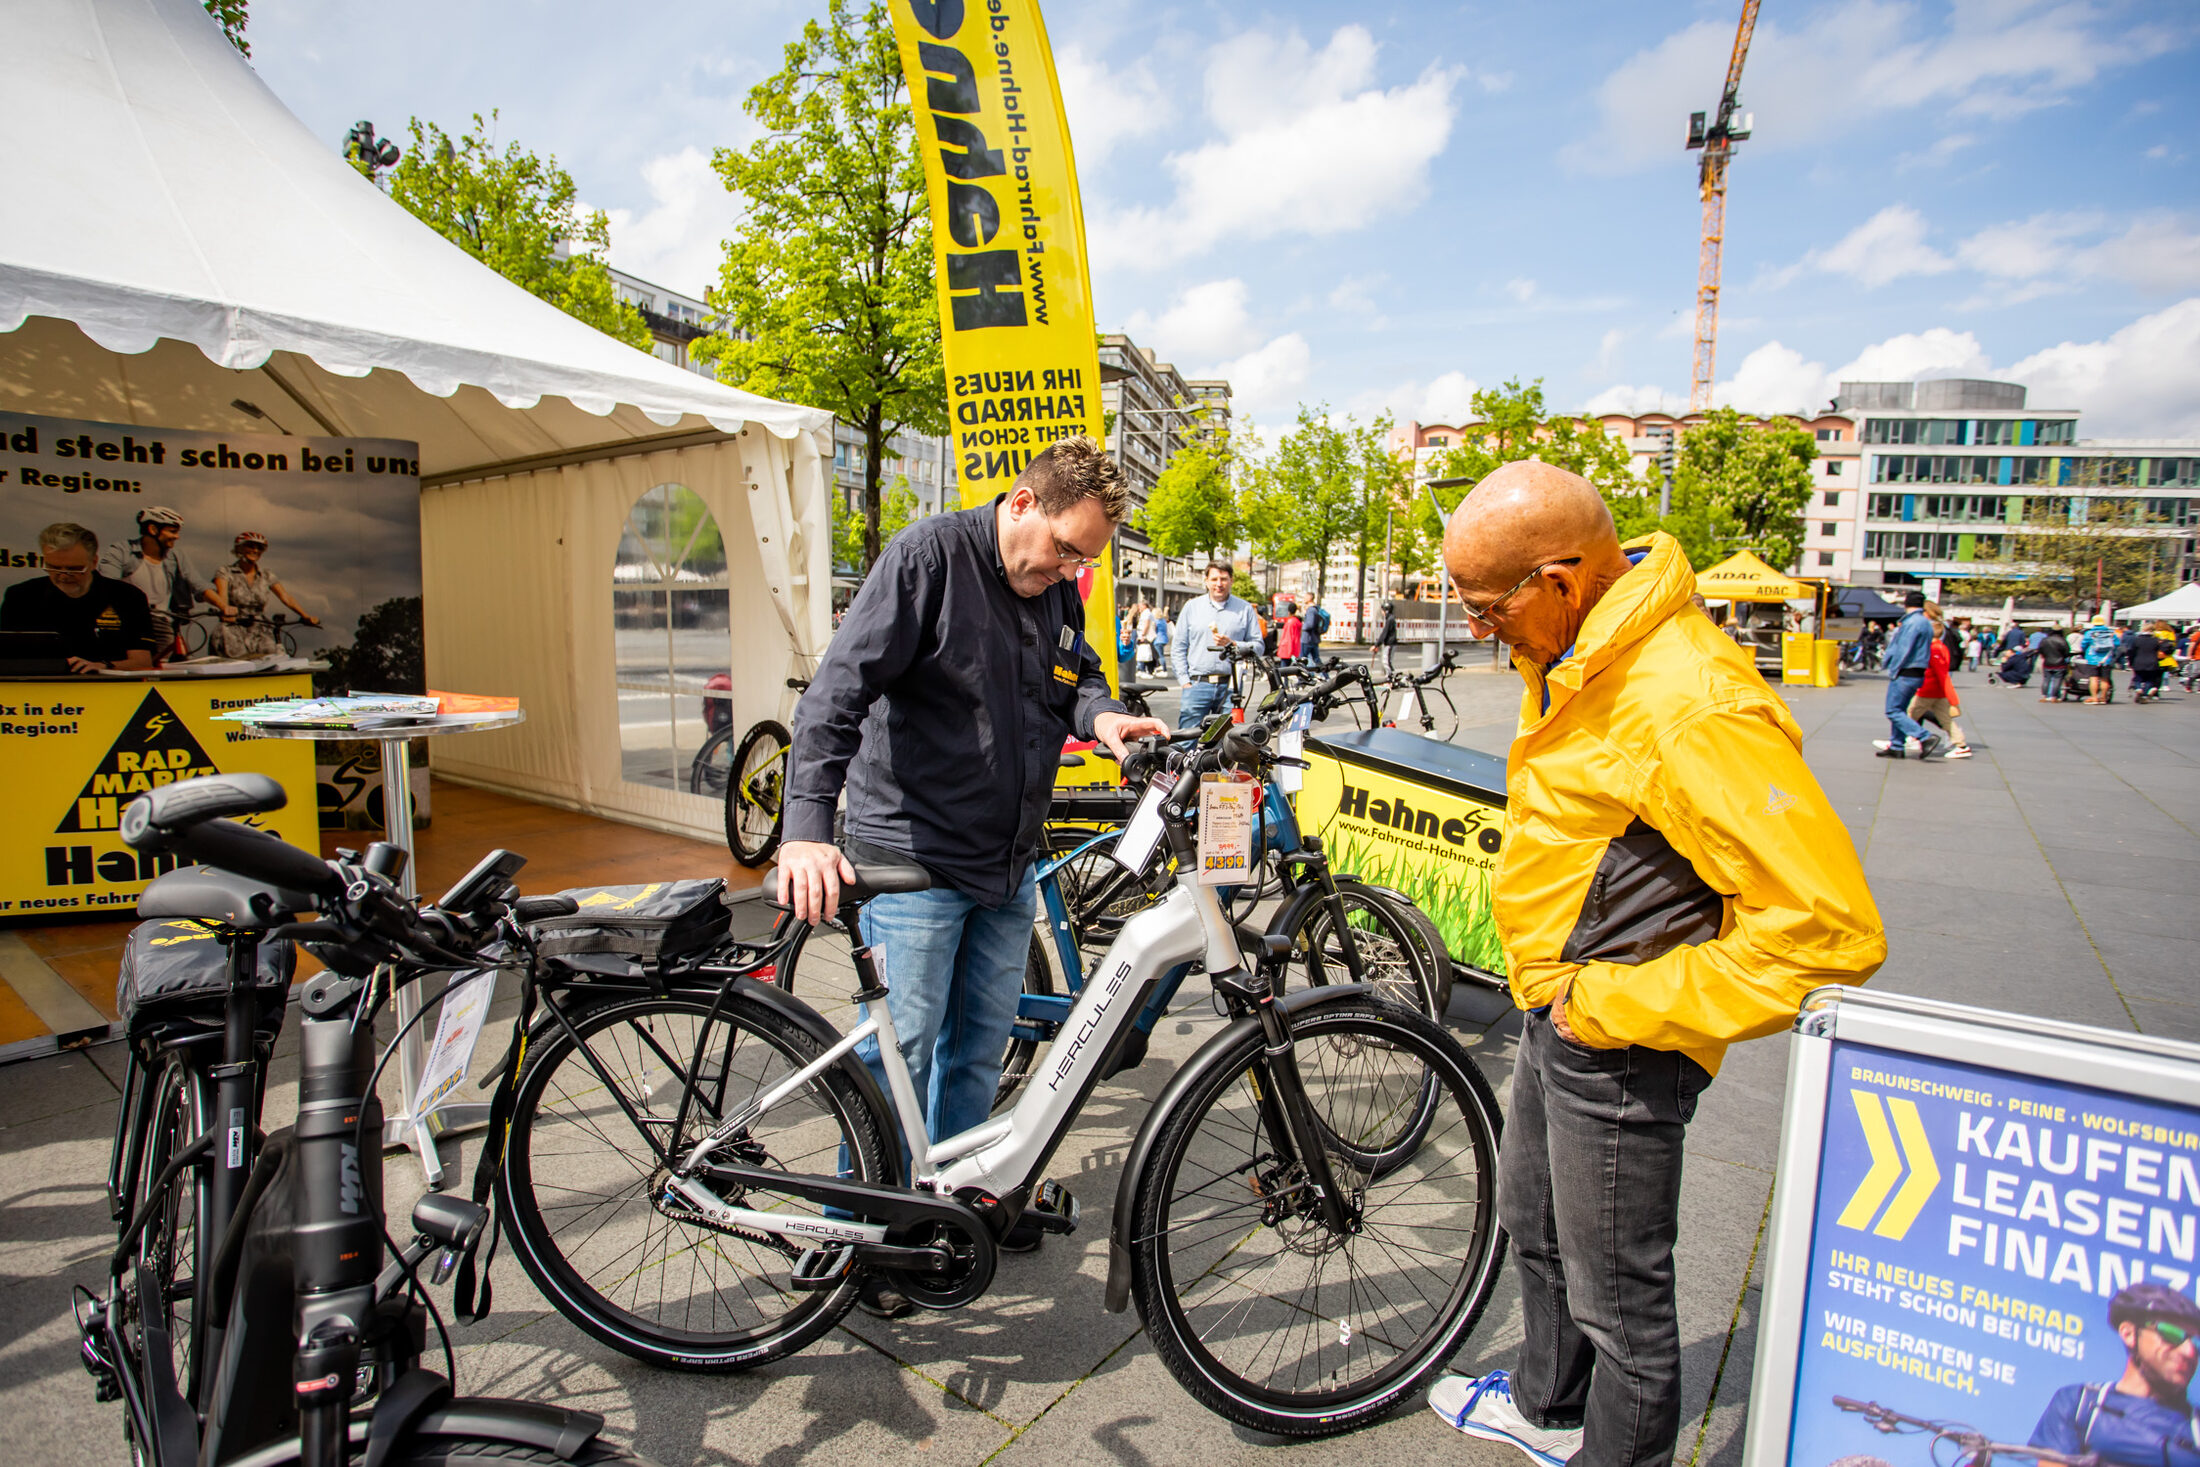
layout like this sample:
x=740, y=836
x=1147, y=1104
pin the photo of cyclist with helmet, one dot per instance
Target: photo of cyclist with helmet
x=242, y=592
x=2143, y=1417
x=153, y=563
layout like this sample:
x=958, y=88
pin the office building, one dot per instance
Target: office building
x=1153, y=407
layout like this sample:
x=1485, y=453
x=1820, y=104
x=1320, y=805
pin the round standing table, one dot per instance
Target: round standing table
x=407, y=1129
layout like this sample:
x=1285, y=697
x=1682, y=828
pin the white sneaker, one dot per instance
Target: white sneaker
x=1960, y=751
x=1484, y=1408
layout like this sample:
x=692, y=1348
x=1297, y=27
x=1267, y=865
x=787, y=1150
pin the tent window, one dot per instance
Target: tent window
x=671, y=627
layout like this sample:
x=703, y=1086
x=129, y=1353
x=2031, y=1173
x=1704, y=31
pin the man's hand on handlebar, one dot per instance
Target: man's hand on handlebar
x=1116, y=730
x=810, y=876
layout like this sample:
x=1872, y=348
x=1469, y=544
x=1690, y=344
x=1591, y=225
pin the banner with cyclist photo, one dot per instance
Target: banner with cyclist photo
x=245, y=545
x=1998, y=1259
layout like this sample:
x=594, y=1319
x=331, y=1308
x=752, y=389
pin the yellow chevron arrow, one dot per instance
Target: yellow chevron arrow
x=1924, y=1172
x=1886, y=1162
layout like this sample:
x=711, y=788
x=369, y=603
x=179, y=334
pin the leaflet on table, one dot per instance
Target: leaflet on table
x=358, y=711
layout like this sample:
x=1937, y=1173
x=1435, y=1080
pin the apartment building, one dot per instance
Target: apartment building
x=1153, y=406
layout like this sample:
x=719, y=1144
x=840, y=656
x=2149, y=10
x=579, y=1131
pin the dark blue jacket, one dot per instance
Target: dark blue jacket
x=2129, y=1431
x=942, y=704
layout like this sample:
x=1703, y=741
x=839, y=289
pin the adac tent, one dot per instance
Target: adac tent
x=2180, y=605
x=175, y=241
x=1744, y=577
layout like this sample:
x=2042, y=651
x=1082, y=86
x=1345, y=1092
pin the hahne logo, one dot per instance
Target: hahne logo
x=1091, y=1026
x=1354, y=804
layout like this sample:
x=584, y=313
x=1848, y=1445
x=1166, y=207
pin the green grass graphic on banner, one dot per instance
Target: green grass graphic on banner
x=1456, y=900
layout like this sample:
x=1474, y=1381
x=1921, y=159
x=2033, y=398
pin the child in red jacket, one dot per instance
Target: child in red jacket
x=1935, y=697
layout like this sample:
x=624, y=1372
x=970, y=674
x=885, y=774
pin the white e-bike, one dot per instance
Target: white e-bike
x=1307, y=1218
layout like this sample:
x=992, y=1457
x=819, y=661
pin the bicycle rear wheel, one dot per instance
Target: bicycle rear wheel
x=583, y=1188
x=754, y=786
x=712, y=765
x=1258, y=1308
x=1394, y=956
x=171, y=1249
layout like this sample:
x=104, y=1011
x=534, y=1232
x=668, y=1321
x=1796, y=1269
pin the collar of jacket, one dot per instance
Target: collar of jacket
x=1632, y=607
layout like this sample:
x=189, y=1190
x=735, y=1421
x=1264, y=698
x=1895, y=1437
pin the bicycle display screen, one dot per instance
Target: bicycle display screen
x=1135, y=847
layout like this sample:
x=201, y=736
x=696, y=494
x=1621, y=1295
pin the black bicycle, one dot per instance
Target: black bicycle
x=257, y=1311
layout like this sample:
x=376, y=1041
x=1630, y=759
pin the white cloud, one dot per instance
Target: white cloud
x=1309, y=145
x=2156, y=253
x=1939, y=153
x=1355, y=297
x=1108, y=107
x=2020, y=250
x=2142, y=381
x=1850, y=64
x=1607, y=358
x=1885, y=247
x=1204, y=323
x=1521, y=289
x=679, y=242
x=1449, y=398
x=1266, y=381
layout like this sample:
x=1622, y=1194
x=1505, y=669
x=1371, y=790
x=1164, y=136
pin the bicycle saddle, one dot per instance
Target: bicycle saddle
x=220, y=896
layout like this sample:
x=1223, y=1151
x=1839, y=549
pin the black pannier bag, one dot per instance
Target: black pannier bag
x=173, y=965
x=657, y=922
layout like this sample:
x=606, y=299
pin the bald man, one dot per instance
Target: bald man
x=1672, y=880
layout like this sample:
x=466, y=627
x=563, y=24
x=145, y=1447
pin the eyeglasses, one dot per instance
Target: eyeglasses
x=68, y=570
x=2172, y=1335
x=1487, y=609
x=1069, y=554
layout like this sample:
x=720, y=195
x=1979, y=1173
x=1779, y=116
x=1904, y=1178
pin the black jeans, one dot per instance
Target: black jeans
x=1589, y=1187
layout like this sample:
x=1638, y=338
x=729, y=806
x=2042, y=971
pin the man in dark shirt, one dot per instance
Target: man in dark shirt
x=104, y=623
x=942, y=705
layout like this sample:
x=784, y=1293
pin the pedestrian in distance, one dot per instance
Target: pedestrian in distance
x=1909, y=653
x=1951, y=637
x=1726, y=889
x=1205, y=630
x=2143, y=654
x=1288, y=632
x=941, y=706
x=2097, y=655
x=1386, y=640
x=1936, y=698
x=2054, y=664
x=1317, y=626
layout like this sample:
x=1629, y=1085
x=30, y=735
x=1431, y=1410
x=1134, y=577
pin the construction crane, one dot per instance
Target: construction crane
x=1717, y=140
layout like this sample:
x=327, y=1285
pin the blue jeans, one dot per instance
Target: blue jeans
x=1202, y=701
x=1901, y=688
x=953, y=971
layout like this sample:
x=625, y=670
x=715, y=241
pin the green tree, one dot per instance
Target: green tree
x=2075, y=551
x=516, y=213
x=1756, y=476
x=1511, y=423
x=1386, y=495
x=1309, y=496
x=230, y=16
x=895, y=515
x=828, y=287
x=1192, y=509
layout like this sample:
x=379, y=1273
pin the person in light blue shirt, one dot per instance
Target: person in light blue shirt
x=1209, y=625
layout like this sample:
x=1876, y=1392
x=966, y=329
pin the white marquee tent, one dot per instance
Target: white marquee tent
x=178, y=250
x=2180, y=606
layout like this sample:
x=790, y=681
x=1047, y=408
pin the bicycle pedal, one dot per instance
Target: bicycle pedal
x=823, y=1268
x=1053, y=1210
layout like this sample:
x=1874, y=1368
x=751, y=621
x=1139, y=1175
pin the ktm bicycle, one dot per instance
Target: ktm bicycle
x=256, y=1310
x=702, y=1174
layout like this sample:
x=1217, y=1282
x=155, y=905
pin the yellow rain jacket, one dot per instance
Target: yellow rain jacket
x=1670, y=867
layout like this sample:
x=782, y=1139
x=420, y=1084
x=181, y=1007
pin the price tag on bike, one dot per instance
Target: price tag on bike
x=1142, y=832
x=457, y=1030
x=1226, y=804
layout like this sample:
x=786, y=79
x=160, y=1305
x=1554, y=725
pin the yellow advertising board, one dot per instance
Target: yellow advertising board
x=1418, y=816
x=1008, y=239
x=78, y=750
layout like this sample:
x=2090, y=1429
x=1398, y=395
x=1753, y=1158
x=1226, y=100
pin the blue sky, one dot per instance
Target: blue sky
x=1383, y=207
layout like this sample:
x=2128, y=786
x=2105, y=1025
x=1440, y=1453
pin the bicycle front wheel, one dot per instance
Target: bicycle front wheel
x=1260, y=1309
x=754, y=786
x=584, y=1183
x=1439, y=715
x=1386, y=950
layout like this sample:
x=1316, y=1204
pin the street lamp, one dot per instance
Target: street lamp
x=375, y=153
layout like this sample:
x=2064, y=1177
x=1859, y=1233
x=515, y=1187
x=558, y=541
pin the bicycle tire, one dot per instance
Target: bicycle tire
x=1022, y=1052
x=754, y=814
x=1391, y=951
x=709, y=770
x=172, y=1248
x=1443, y=974
x=581, y=1188
x=1438, y=1219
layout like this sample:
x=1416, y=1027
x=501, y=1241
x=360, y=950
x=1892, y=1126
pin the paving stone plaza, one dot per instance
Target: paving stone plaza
x=2051, y=875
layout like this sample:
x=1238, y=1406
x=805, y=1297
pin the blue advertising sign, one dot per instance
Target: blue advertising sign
x=1973, y=1229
